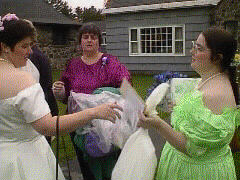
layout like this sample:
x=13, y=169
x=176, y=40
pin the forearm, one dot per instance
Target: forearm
x=67, y=123
x=175, y=138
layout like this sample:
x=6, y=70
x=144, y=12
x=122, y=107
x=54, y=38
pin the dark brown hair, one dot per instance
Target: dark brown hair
x=222, y=42
x=90, y=28
x=15, y=31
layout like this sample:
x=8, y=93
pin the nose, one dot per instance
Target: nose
x=30, y=50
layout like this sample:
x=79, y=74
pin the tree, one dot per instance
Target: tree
x=62, y=7
x=89, y=14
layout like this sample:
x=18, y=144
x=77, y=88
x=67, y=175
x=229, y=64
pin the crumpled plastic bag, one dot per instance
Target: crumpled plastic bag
x=108, y=133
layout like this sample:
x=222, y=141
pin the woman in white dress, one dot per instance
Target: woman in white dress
x=24, y=114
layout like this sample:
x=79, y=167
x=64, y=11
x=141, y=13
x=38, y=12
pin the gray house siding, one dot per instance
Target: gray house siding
x=117, y=29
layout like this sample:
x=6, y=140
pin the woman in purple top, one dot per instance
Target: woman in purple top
x=84, y=74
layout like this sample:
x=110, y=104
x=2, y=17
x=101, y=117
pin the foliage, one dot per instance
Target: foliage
x=164, y=77
x=62, y=7
x=237, y=58
x=80, y=14
x=89, y=14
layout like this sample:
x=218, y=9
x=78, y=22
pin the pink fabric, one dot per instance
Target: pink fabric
x=83, y=78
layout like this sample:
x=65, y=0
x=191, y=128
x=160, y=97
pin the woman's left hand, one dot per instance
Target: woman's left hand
x=144, y=122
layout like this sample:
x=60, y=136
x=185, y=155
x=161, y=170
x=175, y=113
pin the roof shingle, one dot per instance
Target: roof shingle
x=36, y=11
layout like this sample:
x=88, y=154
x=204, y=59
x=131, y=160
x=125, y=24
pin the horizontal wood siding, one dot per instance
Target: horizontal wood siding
x=117, y=28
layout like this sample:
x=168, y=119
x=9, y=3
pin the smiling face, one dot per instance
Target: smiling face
x=89, y=42
x=20, y=52
x=201, y=55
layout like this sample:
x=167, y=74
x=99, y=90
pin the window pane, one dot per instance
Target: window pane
x=154, y=49
x=147, y=31
x=164, y=30
x=164, y=49
x=142, y=31
x=178, y=47
x=143, y=37
x=178, y=33
x=133, y=34
x=143, y=46
x=134, y=46
x=169, y=30
x=169, y=36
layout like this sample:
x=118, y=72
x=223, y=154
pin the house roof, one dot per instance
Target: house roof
x=127, y=3
x=125, y=6
x=36, y=11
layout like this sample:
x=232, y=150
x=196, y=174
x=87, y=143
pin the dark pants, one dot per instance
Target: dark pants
x=48, y=138
x=85, y=169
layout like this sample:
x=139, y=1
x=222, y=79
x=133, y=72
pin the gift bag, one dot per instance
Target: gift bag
x=137, y=160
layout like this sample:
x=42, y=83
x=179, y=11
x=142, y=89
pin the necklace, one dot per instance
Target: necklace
x=211, y=77
x=4, y=60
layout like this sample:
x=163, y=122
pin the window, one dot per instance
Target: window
x=157, y=41
x=59, y=35
x=104, y=39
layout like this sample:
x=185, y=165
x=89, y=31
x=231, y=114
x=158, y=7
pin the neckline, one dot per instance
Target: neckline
x=94, y=62
x=8, y=62
x=199, y=86
x=20, y=92
x=200, y=96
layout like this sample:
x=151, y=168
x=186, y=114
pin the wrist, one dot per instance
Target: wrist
x=91, y=113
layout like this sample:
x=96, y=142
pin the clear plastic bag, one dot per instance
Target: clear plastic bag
x=101, y=135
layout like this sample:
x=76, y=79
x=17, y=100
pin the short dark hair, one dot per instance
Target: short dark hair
x=90, y=28
x=15, y=31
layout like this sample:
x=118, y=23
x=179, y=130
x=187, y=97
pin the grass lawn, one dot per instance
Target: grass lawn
x=141, y=83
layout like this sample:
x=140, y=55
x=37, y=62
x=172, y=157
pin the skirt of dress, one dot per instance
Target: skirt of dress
x=28, y=160
x=175, y=165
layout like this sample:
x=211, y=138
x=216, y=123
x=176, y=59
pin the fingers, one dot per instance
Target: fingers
x=115, y=105
x=117, y=114
x=58, y=84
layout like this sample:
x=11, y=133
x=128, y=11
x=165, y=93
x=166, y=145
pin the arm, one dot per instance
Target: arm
x=68, y=123
x=119, y=72
x=175, y=138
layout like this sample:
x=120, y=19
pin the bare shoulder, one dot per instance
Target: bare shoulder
x=219, y=97
x=13, y=82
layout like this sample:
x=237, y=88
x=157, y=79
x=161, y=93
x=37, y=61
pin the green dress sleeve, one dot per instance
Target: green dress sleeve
x=204, y=130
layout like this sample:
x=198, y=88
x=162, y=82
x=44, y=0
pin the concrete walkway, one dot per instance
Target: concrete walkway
x=75, y=171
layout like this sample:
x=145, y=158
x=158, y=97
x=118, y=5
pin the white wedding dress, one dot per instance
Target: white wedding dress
x=24, y=153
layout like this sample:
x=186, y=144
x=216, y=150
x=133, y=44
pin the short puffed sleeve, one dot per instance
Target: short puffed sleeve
x=31, y=103
x=204, y=130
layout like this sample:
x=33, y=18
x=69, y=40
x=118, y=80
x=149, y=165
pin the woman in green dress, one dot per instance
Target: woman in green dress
x=205, y=118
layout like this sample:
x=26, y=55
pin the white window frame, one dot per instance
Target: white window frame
x=104, y=39
x=157, y=54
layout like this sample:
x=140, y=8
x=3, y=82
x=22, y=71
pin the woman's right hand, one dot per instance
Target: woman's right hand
x=59, y=90
x=107, y=112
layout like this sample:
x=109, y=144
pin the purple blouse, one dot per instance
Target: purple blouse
x=83, y=78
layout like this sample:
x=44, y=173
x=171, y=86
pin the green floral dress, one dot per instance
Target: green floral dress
x=208, y=137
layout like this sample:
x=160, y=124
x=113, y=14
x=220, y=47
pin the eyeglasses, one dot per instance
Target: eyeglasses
x=92, y=36
x=198, y=47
